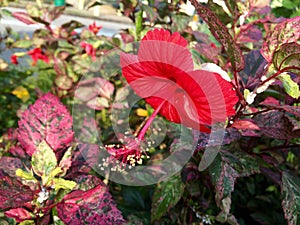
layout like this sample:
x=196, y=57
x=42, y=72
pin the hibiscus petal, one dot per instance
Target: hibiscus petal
x=160, y=46
x=163, y=72
x=165, y=35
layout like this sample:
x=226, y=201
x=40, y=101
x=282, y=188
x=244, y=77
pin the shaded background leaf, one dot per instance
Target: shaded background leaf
x=166, y=195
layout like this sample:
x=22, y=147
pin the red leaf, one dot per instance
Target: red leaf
x=19, y=214
x=94, y=206
x=47, y=119
x=13, y=193
x=222, y=34
x=24, y=17
x=163, y=74
x=284, y=32
x=245, y=124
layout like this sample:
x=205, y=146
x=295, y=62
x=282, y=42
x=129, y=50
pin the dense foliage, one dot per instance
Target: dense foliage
x=80, y=113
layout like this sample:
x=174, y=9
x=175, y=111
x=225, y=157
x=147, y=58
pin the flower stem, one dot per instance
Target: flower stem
x=149, y=121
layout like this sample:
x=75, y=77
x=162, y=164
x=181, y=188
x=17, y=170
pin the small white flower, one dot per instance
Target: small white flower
x=249, y=96
x=43, y=196
x=265, y=86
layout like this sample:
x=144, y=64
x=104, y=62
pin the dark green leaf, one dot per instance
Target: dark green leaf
x=291, y=198
x=166, y=195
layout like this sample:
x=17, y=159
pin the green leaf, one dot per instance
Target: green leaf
x=43, y=159
x=22, y=44
x=27, y=222
x=152, y=15
x=290, y=86
x=33, y=11
x=63, y=82
x=291, y=198
x=26, y=175
x=166, y=195
x=179, y=22
x=5, y=12
x=287, y=55
x=138, y=24
x=60, y=183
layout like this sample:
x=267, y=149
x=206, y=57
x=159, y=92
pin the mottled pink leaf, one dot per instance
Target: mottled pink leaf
x=94, y=206
x=47, y=119
x=210, y=51
x=9, y=165
x=276, y=124
x=284, y=32
x=86, y=182
x=288, y=55
x=13, y=193
x=24, y=17
x=89, y=89
x=19, y=214
x=273, y=103
x=222, y=34
x=18, y=151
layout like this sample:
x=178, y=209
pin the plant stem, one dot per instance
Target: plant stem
x=279, y=72
x=149, y=121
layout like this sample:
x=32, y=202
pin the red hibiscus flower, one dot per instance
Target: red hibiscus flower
x=163, y=74
x=37, y=54
x=14, y=59
x=89, y=49
x=94, y=28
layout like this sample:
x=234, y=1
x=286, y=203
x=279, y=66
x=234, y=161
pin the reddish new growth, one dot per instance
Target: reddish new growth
x=89, y=49
x=94, y=28
x=14, y=59
x=37, y=54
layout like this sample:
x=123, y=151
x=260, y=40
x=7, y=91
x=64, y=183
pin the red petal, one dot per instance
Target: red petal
x=194, y=98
